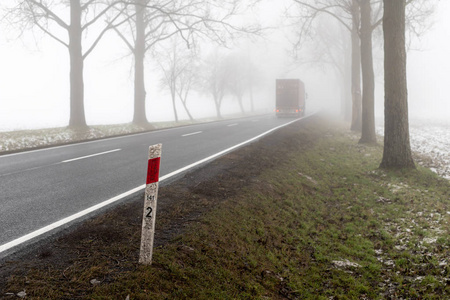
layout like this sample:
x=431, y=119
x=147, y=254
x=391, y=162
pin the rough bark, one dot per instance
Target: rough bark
x=368, y=134
x=139, y=56
x=397, y=149
x=356, y=69
x=77, y=115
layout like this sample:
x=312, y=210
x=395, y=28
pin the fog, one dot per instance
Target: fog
x=34, y=76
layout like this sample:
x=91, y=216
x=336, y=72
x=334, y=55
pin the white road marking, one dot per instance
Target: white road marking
x=91, y=209
x=29, y=169
x=188, y=134
x=64, y=221
x=87, y=156
x=229, y=125
x=98, y=140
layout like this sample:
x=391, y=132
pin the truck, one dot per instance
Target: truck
x=290, y=98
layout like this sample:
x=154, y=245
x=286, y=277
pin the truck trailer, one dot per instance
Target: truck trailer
x=290, y=98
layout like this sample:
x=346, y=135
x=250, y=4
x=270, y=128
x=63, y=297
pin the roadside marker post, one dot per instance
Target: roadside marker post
x=150, y=201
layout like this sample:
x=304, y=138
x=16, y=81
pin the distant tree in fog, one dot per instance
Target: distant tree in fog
x=68, y=23
x=213, y=78
x=151, y=22
x=347, y=13
x=397, y=149
x=332, y=47
x=241, y=76
x=179, y=70
x=236, y=80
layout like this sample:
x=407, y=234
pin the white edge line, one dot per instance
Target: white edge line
x=93, y=208
x=87, y=156
x=66, y=220
x=188, y=134
x=234, y=124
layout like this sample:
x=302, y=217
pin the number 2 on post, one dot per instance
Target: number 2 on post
x=149, y=212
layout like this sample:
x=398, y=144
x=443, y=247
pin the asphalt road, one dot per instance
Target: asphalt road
x=41, y=187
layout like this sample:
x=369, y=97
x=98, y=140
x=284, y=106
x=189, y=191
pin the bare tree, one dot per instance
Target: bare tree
x=253, y=79
x=351, y=14
x=236, y=80
x=154, y=21
x=347, y=13
x=213, y=78
x=397, y=149
x=68, y=29
x=241, y=75
x=178, y=65
x=332, y=48
x=368, y=24
x=186, y=81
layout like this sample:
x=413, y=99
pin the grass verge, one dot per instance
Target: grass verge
x=317, y=221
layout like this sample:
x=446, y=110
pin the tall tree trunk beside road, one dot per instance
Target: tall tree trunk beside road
x=397, y=149
x=67, y=23
x=368, y=135
x=356, y=68
x=139, y=116
x=77, y=114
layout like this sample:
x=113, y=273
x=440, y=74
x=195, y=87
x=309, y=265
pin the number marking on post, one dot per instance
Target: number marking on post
x=150, y=200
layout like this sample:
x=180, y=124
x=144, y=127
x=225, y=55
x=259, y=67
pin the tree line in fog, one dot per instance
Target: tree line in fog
x=143, y=26
x=172, y=30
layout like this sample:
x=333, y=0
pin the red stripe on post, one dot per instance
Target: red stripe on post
x=153, y=170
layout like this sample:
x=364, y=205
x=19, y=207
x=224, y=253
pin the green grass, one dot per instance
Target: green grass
x=284, y=235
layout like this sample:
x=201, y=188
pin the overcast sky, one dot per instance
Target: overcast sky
x=34, y=87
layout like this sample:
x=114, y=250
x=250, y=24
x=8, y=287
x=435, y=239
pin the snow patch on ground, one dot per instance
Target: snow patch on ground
x=431, y=144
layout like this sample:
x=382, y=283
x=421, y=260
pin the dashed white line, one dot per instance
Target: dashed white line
x=192, y=133
x=87, y=156
x=234, y=124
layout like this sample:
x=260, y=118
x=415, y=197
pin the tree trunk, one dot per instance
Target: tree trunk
x=252, y=106
x=186, y=108
x=188, y=112
x=397, y=149
x=241, y=105
x=356, y=69
x=368, y=135
x=346, y=81
x=77, y=114
x=139, y=56
x=217, y=103
x=172, y=94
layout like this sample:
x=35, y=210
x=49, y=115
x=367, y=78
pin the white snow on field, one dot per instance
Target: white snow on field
x=433, y=141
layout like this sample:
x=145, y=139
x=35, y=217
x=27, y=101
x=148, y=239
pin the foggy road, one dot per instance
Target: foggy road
x=41, y=187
